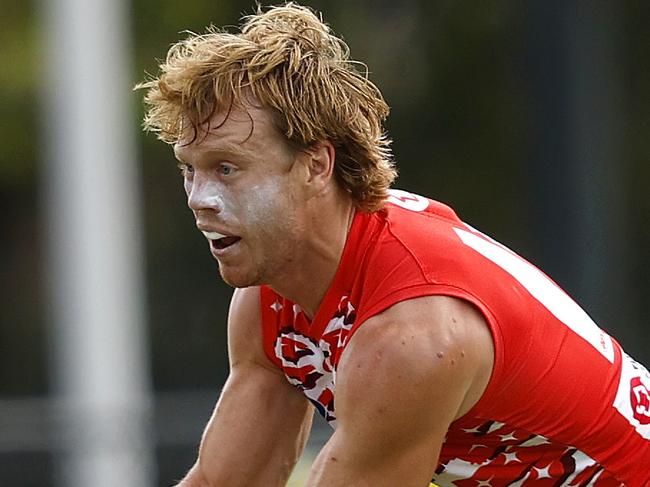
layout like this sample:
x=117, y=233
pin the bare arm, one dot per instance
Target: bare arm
x=260, y=424
x=405, y=376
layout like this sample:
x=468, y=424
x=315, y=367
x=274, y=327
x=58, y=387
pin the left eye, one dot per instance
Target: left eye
x=226, y=169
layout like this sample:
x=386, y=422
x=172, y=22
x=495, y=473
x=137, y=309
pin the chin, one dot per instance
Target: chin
x=239, y=279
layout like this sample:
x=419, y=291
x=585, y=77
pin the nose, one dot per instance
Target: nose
x=203, y=194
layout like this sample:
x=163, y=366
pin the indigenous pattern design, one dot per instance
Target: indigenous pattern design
x=565, y=405
x=490, y=453
x=307, y=363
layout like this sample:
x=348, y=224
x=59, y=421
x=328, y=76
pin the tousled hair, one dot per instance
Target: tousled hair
x=288, y=59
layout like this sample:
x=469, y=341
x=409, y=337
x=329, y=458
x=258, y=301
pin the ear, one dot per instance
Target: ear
x=321, y=157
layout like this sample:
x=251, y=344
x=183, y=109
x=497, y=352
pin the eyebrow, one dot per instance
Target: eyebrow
x=228, y=149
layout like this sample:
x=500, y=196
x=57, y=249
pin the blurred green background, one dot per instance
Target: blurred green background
x=532, y=119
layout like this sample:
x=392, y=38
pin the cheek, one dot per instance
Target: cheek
x=269, y=209
x=263, y=199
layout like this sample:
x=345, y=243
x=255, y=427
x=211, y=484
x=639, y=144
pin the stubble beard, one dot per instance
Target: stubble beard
x=238, y=283
x=267, y=270
x=276, y=245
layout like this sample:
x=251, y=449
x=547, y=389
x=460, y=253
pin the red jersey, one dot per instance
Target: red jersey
x=564, y=406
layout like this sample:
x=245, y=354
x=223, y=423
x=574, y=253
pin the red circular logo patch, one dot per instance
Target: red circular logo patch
x=640, y=398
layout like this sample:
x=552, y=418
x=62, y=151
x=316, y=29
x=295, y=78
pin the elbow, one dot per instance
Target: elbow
x=196, y=478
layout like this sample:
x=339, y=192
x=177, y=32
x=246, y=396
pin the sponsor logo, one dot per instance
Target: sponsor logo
x=633, y=395
x=640, y=397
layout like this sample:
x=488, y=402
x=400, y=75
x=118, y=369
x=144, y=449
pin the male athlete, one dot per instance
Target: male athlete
x=437, y=354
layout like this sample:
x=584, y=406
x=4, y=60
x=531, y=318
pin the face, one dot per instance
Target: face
x=242, y=182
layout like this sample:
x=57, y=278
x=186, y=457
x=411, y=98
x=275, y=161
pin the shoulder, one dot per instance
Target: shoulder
x=421, y=239
x=417, y=204
x=424, y=231
x=245, y=305
x=245, y=328
x=427, y=344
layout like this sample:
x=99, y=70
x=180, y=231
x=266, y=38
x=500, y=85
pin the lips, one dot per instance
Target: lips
x=221, y=241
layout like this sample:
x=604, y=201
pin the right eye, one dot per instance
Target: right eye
x=186, y=169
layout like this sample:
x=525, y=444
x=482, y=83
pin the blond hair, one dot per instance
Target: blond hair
x=291, y=62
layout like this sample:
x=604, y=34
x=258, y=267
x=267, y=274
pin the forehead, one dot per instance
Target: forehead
x=240, y=129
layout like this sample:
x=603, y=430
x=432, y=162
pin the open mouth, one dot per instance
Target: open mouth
x=224, y=242
x=220, y=241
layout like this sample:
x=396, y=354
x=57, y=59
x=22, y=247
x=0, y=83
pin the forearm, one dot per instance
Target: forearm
x=254, y=437
x=251, y=466
x=271, y=476
x=256, y=461
x=261, y=422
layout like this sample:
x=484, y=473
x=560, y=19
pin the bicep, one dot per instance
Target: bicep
x=403, y=379
x=260, y=423
x=257, y=431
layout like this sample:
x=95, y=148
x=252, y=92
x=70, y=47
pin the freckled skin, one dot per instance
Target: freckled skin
x=291, y=219
x=246, y=186
x=243, y=179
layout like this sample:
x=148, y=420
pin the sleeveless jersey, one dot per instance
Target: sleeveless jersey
x=565, y=406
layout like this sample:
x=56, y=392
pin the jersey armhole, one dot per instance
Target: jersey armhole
x=269, y=323
x=456, y=292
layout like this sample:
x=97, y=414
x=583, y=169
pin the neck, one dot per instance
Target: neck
x=307, y=281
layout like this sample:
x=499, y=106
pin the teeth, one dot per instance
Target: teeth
x=213, y=235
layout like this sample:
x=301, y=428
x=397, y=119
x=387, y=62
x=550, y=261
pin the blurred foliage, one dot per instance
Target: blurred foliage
x=18, y=87
x=22, y=342
x=454, y=75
